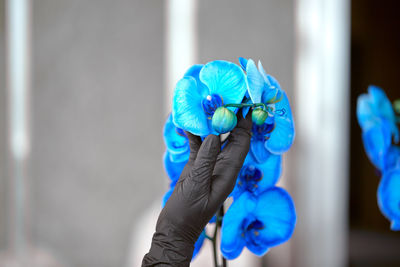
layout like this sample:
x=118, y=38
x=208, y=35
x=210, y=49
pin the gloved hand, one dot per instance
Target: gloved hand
x=206, y=181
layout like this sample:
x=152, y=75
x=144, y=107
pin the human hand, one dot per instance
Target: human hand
x=206, y=181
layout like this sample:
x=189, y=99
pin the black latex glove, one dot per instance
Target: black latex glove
x=206, y=181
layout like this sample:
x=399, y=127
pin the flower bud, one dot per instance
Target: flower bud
x=259, y=116
x=223, y=120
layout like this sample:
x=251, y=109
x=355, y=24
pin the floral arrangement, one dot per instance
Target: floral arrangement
x=378, y=122
x=205, y=102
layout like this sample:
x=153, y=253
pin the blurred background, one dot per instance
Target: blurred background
x=98, y=77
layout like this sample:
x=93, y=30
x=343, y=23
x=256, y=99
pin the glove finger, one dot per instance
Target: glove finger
x=204, y=163
x=231, y=159
x=194, y=144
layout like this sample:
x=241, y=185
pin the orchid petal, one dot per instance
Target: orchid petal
x=187, y=110
x=389, y=197
x=243, y=63
x=263, y=73
x=255, y=81
x=177, y=144
x=225, y=79
x=194, y=71
x=282, y=136
x=232, y=240
x=275, y=209
x=377, y=140
x=258, y=150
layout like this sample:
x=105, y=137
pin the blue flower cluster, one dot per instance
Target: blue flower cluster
x=378, y=120
x=262, y=215
x=205, y=101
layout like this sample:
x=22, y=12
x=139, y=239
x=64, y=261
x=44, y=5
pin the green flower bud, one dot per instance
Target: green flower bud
x=223, y=120
x=259, y=116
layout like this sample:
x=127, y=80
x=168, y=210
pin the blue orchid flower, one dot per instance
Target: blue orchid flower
x=377, y=120
x=257, y=222
x=255, y=177
x=202, y=91
x=176, y=141
x=389, y=197
x=277, y=133
x=375, y=107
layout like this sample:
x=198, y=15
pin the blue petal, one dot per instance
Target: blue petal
x=263, y=73
x=274, y=82
x=187, y=110
x=177, y=144
x=392, y=158
x=384, y=108
x=389, y=197
x=376, y=106
x=257, y=249
x=282, y=136
x=271, y=170
x=194, y=71
x=258, y=150
x=255, y=81
x=377, y=141
x=198, y=244
x=365, y=113
x=243, y=62
x=275, y=209
x=173, y=169
x=225, y=79
x=232, y=240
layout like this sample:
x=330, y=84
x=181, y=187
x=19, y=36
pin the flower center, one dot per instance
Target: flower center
x=211, y=103
x=262, y=132
x=249, y=177
x=251, y=228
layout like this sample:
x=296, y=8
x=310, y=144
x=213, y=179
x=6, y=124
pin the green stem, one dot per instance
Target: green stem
x=214, y=242
x=247, y=105
x=219, y=223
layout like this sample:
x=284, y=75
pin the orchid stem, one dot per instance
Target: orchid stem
x=247, y=105
x=214, y=242
x=219, y=223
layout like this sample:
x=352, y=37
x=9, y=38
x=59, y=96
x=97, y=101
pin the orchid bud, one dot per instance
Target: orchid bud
x=259, y=116
x=223, y=120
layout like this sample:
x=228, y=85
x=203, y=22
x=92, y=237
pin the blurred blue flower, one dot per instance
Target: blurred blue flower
x=176, y=142
x=389, y=197
x=378, y=123
x=202, y=90
x=277, y=134
x=392, y=158
x=375, y=107
x=257, y=222
x=377, y=140
x=255, y=177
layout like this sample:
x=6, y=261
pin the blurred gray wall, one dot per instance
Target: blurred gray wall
x=97, y=121
x=3, y=149
x=256, y=29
